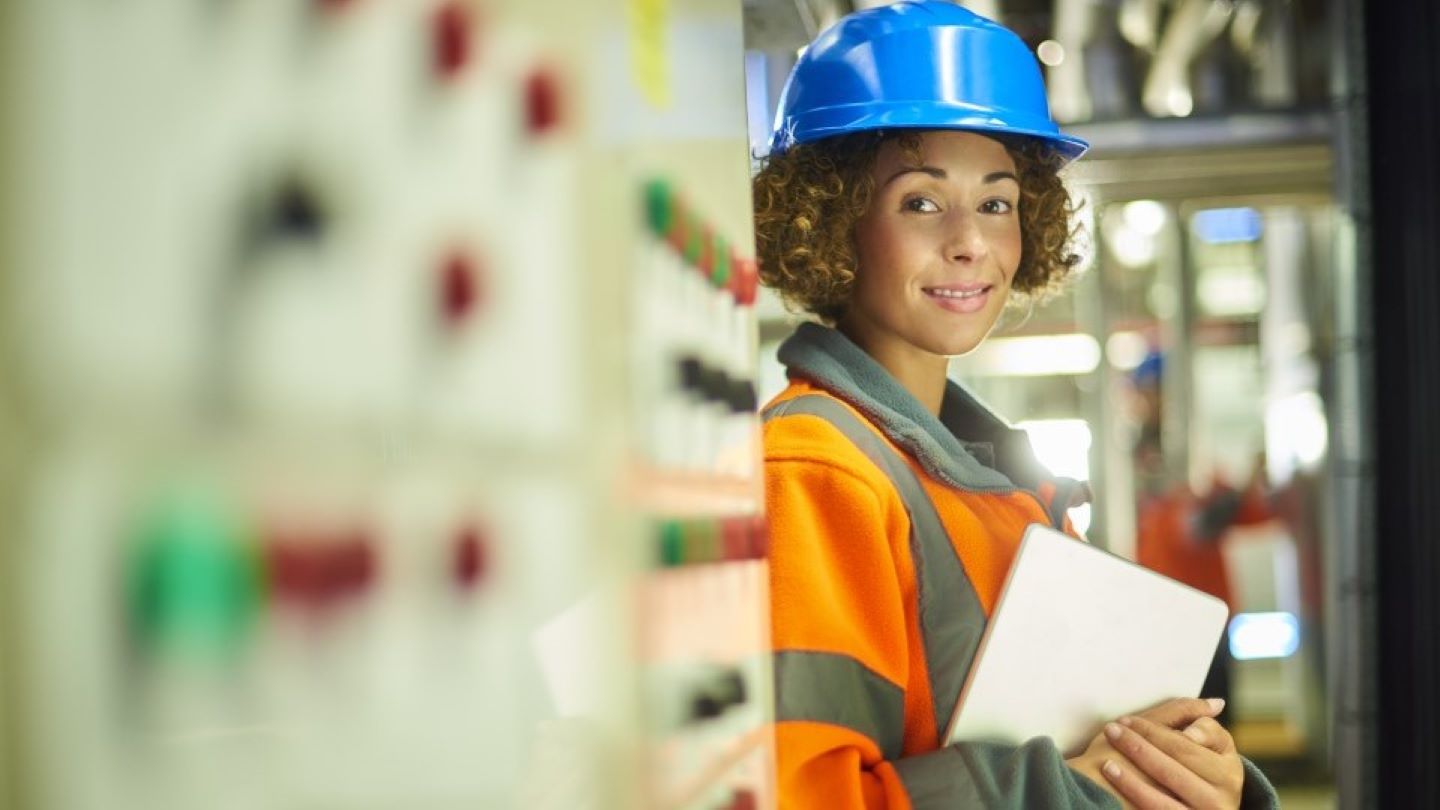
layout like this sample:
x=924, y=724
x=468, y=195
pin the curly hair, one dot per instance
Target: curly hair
x=808, y=199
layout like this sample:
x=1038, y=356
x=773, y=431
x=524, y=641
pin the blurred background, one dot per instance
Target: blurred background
x=378, y=384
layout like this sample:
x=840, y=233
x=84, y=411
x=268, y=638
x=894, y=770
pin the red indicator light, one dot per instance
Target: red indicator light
x=314, y=572
x=292, y=571
x=734, y=538
x=747, y=281
x=744, y=800
x=353, y=564
x=759, y=537
x=459, y=288
x=470, y=558
x=542, y=102
x=450, y=39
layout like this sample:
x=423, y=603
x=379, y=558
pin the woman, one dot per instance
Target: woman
x=910, y=193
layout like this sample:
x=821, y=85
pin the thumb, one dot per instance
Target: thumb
x=1181, y=712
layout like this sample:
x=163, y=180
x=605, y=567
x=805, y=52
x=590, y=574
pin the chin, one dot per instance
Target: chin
x=956, y=339
x=954, y=345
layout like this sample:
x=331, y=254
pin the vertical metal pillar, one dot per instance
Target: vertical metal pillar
x=1350, y=569
x=1177, y=390
x=1092, y=315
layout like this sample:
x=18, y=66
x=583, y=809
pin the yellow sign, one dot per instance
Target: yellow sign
x=649, y=57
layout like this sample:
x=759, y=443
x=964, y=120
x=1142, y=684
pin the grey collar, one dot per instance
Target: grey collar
x=947, y=447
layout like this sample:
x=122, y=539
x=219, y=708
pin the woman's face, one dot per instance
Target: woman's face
x=938, y=246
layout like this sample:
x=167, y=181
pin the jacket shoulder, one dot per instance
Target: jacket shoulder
x=814, y=441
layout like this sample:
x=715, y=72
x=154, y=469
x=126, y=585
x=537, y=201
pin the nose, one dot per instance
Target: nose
x=964, y=240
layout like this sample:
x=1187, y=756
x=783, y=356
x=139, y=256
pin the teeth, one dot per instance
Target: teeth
x=957, y=293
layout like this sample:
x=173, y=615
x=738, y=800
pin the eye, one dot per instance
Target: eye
x=997, y=206
x=920, y=205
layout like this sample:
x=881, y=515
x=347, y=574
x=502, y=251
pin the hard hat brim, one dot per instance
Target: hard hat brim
x=816, y=124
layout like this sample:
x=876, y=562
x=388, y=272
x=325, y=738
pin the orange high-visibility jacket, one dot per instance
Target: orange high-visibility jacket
x=891, y=535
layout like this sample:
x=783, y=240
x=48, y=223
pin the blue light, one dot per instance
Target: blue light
x=1264, y=635
x=1219, y=226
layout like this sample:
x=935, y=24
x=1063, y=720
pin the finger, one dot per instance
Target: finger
x=1102, y=750
x=1210, y=734
x=1169, y=773
x=1135, y=790
x=1181, y=712
x=1180, y=746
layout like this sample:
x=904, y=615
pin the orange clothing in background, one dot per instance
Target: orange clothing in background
x=1163, y=544
x=1169, y=542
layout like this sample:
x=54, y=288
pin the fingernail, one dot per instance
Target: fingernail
x=1194, y=733
x=1111, y=769
x=1125, y=721
x=1216, y=704
x=1112, y=731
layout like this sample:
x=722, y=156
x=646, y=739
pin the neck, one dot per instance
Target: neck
x=919, y=372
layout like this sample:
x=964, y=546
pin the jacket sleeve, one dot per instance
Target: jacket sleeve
x=1257, y=794
x=841, y=590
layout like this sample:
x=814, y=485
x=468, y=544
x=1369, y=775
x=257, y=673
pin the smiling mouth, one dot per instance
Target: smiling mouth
x=967, y=299
x=957, y=294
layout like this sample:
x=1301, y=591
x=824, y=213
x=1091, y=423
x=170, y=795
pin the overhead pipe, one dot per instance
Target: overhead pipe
x=1168, y=90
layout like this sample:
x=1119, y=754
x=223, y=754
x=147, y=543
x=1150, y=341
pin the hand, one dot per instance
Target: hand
x=1198, y=766
x=1097, y=756
x=1100, y=754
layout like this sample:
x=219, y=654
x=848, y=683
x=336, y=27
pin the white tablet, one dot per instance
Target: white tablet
x=1078, y=637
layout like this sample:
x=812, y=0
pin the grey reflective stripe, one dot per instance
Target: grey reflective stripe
x=996, y=776
x=938, y=779
x=951, y=618
x=837, y=689
x=1068, y=492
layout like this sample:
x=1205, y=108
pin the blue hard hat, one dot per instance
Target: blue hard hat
x=1150, y=370
x=921, y=64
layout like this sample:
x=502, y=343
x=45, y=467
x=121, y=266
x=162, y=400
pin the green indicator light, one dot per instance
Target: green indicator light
x=672, y=544
x=694, y=242
x=194, y=585
x=721, y=276
x=659, y=212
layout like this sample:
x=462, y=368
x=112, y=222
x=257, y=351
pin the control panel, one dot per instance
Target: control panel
x=377, y=392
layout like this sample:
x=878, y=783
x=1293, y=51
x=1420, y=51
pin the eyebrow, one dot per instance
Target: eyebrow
x=940, y=174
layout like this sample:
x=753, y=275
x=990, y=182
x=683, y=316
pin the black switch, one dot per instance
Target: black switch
x=297, y=213
x=715, y=693
x=742, y=397
x=692, y=374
